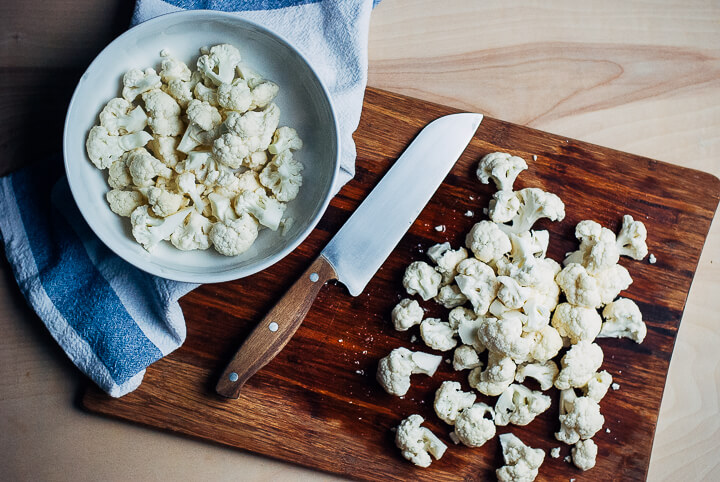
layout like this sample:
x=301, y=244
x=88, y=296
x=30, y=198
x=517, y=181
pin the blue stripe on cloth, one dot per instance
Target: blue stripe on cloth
x=237, y=5
x=74, y=285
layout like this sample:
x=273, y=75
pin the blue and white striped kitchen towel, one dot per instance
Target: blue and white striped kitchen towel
x=112, y=319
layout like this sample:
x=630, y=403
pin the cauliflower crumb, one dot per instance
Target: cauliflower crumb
x=615, y=386
x=555, y=452
x=469, y=214
x=440, y=228
x=652, y=259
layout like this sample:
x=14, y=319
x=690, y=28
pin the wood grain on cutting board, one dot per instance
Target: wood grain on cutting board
x=317, y=403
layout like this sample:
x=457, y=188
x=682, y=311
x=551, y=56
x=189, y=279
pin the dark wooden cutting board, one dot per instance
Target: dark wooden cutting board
x=317, y=404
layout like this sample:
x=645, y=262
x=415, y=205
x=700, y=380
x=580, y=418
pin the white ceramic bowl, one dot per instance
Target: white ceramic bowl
x=304, y=103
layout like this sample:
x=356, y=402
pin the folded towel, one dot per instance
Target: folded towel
x=112, y=319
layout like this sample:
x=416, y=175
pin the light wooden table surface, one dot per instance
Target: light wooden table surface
x=638, y=76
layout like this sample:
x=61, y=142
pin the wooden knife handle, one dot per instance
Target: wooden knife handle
x=275, y=330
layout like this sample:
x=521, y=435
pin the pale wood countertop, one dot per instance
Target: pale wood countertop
x=637, y=76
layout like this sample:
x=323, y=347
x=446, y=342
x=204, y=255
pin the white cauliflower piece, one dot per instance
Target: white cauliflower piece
x=195, y=136
x=498, y=375
x=584, y=454
x=119, y=117
x=165, y=149
x=231, y=150
x=235, y=96
x=446, y=260
x=466, y=324
x=437, y=334
x=611, y=281
x=395, y=369
x=267, y=210
x=282, y=175
x=203, y=114
x=450, y=296
x=123, y=203
x=511, y=294
x=163, y=113
x=418, y=443
x=546, y=344
x=504, y=336
x=598, y=385
x=407, y=314
x=537, y=312
x=474, y=426
x=504, y=206
x=103, y=149
x=206, y=94
x=173, y=69
x=623, y=320
x=193, y=234
x=465, y=357
x=631, y=240
x=119, y=174
x=219, y=64
x=284, y=139
x=186, y=185
x=598, y=249
x=256, y=128
x=182, y=91
x=544, y=373
x=263, y=92
x=579, y=287
x=420, y=278
x=234, y=237
x=487, y=241
x=502, y=168
x=519, y=405
x=576, y=322
x=144, y=167
x=521, y=462
x=528, y=246
x=163, y=202
x=580, y=418
x=477, y=282
x=149, y=231
x=579, y=364
x=450, y=400
x=534, y=205
x=136, y=82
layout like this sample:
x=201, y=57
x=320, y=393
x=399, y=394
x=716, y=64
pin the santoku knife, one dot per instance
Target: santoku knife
x=363, y=243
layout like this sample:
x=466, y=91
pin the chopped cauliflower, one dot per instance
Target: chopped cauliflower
x=502, y=168
x=119, y=174
x=504, y=336
x=407, y=314
x=487, y=241
x=447, y=260
x=598, y=249
x=580, y=418
x=149, y=230
x=420, y=278
x=282, y=175
x=285, y=138
x=395, y=369
x=234, y=237
x=534, y=204
x=103, y=149
x=623, y=320
x=450, y=400
x=474, y=425
x=136, y=82
x=235, y=96
x=584, y=453
x=193, y=234
x=165, y=149
x=478, y=283
x=511, y=294
x=218, y=65
x=578, y=365
x=544, y=373
x=521, y=462
x=450, y=297
x=499, y=374
x=631, y=240
x=123, y=203
x=598, y=385
x=144, y=167
x=163, y=203
x=437, y=334
x=467, y=328
x=119, y=117
x=418, y=443
x=576, y=322
x=519, y=405
x=504, y=206
x=465, y=357
x=163, y=113
x=579, y=287
x=267, y=210
x=546, y=344
x=611, y=281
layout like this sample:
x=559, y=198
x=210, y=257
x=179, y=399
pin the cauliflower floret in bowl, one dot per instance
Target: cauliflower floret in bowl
x=301, y=99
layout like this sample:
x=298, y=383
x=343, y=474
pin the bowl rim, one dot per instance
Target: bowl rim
x=232, y=273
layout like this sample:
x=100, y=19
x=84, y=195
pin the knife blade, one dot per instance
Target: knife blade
x=356, y=252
